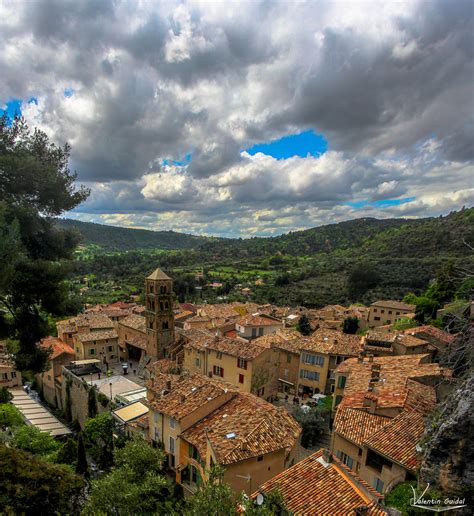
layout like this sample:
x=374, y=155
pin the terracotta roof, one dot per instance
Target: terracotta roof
x=394, y=372
x=332, y=342
x=396, y=305
x=432, y=334
x=94, y=321
x=244, y=427
x=314, y=486
x=285, y=338
x=96, y=335
x=57, y=346
x=164, y=365
x=180, y=315
x=399, y=438
x=410, y=341
x=66, y=325
x=257, y=320
x=158, y=274
x=136, y=322
x=6, y=361
x=234, y=347
x=187, y=393
x=357, y=425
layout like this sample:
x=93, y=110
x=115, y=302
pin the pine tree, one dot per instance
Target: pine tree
x=81, y=464
x=92, y=403
x=304, y=327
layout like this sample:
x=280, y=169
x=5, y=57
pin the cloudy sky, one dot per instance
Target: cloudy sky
x=249, y=118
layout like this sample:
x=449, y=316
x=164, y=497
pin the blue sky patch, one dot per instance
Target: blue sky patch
x=178, y=163
x=301, y=144
x=384, y=203
x=13, y=107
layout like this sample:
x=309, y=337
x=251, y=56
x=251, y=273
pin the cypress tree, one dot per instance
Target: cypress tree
x=81, y=464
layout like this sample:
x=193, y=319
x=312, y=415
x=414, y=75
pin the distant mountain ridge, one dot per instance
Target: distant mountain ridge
x=384, y=236
x=115, y=238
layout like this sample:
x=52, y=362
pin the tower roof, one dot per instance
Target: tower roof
x=158, y=274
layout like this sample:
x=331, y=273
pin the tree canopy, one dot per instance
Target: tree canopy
x=35, y=186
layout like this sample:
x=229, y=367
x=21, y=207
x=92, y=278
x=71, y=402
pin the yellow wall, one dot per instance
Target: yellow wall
x=379, y=316
x=389, y=476
x=9, y=377
x=322, y=370
x=82, y=350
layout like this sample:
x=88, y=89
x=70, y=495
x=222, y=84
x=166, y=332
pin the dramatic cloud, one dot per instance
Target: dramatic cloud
x=137, y=86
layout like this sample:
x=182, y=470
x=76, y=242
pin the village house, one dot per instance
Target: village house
x=322, y=484
x=286, y=344
x=387, y=312
x=439, y=339
x=201, y=421
x=50, y=381
x=355, y=374
x=131, y=333
x=381, y=406
x=246, y=365
x=321, y=353
x=100, y=344
x=9, y=376
x=256, y=325
x=395, y=343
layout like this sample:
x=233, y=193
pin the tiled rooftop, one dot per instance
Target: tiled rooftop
x=285, y=338
x=136, y=322
x=57, y=346
x=394, y=372
x=244, y=427
x=257, y=320
x=90, y=336
x=399, y=438
x=314, y=486
x=333, y=342
x=357, y=425
x=184, y=394
x=396, y=305
x=431, y=333
x=234, y=347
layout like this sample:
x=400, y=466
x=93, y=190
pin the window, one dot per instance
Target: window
x=4, y=376
x=340, y=359
x=254, y=332
x=171, y=444
x=288, y=358
x=341, y=382
x=77, y=349
x=193, y=452
x=197, y=362
x=316, y=360
x=218, y=355
x=13, y=374
x=91, y=351
x=332, y=388
x=382, y=311
x=151, y=289
x=376, y=318
x=398, y=313
x=259, y=459
x=172, y=422
x=309, y=375
x=163, y=289
x=241, y=363
x=161, y=306
x=150, y=325
x=260, y=332
x=261, y=391
x=378, y=484
x=165, y=325
x=338, y=400
x=390, y=311
x=49, y=377
x=110, y=348
x=343, y=457
x=241, y=378
x=286, y=372
x=375, y=309
x=218, y=371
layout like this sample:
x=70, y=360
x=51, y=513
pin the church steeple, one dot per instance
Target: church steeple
x=159, y=314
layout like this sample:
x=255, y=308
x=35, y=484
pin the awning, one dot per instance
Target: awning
x=285, y=381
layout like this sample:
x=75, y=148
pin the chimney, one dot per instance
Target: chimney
x=243, y=446
x=327, y=457
x=370, y=357
x=370, y=403
x=168, y=385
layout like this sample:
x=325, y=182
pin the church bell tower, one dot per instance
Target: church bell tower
x=159, y=314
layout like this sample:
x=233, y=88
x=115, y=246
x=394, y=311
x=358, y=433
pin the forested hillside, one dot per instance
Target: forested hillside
x=355, y=261
x=113, y=238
